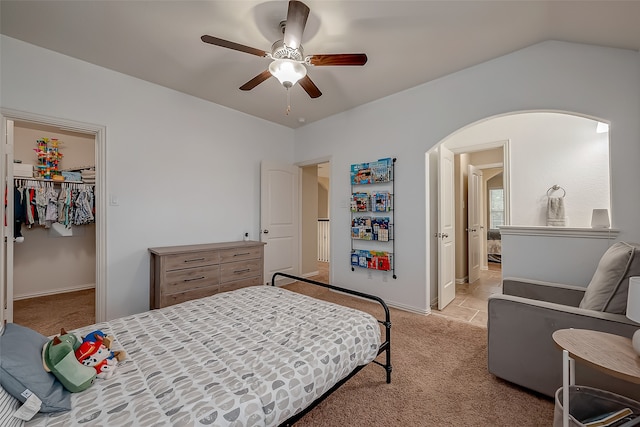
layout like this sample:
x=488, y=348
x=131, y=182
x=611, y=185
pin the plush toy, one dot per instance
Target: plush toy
x=58, y=357
x=94, y=352
x=107, y=340
x=101, y=361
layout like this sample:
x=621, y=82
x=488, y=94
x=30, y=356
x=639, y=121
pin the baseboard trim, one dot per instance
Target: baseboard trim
x=408, y=308
x=390, y=304
x=461, y=281
x=313, y=273
x=54, y=292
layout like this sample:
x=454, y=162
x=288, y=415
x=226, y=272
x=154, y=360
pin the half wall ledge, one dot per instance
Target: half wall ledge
x=540, y=230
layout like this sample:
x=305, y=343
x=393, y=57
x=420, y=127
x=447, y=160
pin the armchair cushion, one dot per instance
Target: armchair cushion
x=609, y=286
x=539, y=290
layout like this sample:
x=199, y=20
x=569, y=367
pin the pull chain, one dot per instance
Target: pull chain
x=288, y=110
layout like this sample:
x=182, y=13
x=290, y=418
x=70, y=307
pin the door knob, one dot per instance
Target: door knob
x=265, y=231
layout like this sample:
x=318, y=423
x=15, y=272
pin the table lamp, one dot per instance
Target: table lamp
x=633, y=309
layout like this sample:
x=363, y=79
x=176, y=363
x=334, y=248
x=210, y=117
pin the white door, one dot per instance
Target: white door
x=474, y=221
x=279, y=218
x=446, y=229
x=6, y=249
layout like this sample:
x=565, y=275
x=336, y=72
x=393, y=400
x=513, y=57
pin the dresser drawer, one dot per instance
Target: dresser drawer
x=187, y=272
x=232, y=286
x=190, y=259
x=171, y=299
x=240, y=270
x=240, y=254
x=190, y=278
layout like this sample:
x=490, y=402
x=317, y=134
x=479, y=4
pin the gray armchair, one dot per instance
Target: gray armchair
x=522, y=320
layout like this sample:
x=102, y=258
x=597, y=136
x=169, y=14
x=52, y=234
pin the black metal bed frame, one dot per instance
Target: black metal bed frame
x=384, y=347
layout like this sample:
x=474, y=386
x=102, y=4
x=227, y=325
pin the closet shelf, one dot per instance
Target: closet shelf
x=22, y=178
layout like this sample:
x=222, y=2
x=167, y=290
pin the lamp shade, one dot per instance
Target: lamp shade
x=633, y=299
x=633, y=309
x=287, y=71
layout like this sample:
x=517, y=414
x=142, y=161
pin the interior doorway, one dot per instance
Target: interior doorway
x=480, y=210
x=54, y=266
x=316, y=222
x=50, y=249
x=477, y=172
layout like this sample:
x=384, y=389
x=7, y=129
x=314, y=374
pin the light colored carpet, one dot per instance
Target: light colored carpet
x=439, y=378
x=48, y=314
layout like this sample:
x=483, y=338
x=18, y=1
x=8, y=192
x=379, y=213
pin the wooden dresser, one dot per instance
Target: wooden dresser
x=182, y=273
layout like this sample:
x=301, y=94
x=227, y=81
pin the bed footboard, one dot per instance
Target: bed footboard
x=385, y=347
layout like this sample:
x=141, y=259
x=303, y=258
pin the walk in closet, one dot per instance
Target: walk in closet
x=57, y=253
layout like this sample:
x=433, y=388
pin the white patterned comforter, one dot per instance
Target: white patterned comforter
x=251, y=357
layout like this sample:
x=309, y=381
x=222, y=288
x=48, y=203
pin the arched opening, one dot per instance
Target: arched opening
x=538, y=155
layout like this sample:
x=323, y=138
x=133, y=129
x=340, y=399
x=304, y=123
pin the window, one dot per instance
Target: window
x=496, y=207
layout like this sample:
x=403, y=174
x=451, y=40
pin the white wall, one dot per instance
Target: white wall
x=595, y=81
x=548, y=149
x=183, y=169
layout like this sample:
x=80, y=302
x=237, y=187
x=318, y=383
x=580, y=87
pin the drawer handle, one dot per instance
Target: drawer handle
x=242, y=271
x=246, y=253
x=194, y=259
x=195, y=278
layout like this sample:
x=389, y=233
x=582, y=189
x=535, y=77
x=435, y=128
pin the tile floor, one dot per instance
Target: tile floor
x=470, y=303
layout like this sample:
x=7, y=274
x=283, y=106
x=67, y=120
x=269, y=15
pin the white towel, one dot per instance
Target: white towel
x=555, y=212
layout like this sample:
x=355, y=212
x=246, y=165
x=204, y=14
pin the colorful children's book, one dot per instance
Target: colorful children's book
x=380, y=229
x=381, y=201
x=360, y=174
x=376, y=260
x=360, y=202
x=381, y=170
x=361, y=228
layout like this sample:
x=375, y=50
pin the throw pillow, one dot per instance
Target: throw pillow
x=609, y=286
x=9, y=405
x=21, y=368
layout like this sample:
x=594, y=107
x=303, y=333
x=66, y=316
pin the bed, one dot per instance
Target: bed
x=260, y=355
x=494, y=246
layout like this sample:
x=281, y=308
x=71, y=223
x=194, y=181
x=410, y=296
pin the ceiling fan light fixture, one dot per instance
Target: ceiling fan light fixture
x=287, y=71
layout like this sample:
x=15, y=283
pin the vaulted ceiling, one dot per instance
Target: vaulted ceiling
x=407, y=42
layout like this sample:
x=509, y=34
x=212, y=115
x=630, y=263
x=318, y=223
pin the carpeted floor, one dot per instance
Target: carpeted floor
x=47, y=315
x=439, y=378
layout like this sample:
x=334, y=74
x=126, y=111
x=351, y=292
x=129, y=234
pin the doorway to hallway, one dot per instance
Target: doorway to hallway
x=470, y=302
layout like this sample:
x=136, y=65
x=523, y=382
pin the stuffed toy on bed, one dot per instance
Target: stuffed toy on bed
x=58, y=357
x=95, y=352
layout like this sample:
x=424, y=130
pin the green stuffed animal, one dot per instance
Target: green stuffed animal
x=58, y=357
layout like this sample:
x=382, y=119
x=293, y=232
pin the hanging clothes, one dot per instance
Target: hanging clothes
x=51, y=214
x=38, y=202
x=19, y=213
x=83, y=213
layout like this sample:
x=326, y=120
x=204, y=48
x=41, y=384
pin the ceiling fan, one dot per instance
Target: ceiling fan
x=289, y=63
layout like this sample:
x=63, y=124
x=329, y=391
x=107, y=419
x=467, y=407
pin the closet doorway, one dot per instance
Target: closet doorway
x=54, y=266
x=54, y=271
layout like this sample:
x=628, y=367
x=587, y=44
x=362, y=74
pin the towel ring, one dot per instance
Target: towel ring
x=556, y=188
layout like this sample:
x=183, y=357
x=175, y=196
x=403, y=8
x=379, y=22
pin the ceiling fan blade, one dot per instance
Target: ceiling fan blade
x=296, y=20
x=338, y=59
x=310, y=87
x=231, y=45
x=256, y=80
